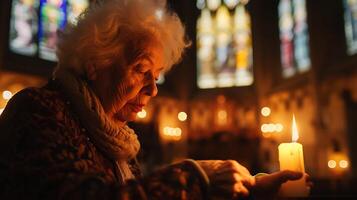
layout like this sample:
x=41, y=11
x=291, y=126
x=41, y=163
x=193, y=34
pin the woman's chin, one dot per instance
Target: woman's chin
x=131, y=117
x=125, y=116
x=118, y=119
x=128, y=118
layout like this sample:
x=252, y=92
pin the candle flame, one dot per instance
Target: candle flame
x=295, y=132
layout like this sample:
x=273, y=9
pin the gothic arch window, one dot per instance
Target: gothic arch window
x=351, y=25
x=294, y=38
x=34, y=25
x=224, y=44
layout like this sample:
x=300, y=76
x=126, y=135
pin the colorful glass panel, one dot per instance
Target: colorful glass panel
x=301, y=39
x=213, y=4
x=52, y=18
x=224, y=45
x=75, y=8
x=35, y=25
x=23, y=27
x=351, y=25
x=294, y=39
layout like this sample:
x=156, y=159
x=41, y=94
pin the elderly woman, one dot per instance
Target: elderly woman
x=69, y=139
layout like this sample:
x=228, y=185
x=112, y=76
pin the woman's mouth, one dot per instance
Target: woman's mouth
x=137, y=107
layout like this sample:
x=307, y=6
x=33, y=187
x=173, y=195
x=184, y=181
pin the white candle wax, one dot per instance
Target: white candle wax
x=291, y=157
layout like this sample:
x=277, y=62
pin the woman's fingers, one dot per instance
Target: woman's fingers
x=240, y=190
x=228, y=178
x=235, y=172
x=286, y=175
x=308, y=182
x=233, y=179
x=230, y=191
x=234, y=165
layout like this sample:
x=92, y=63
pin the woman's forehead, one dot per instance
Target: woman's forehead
x=152, y=54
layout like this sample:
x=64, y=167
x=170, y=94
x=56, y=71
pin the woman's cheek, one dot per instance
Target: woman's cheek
x=134, y=86
x=122, y=89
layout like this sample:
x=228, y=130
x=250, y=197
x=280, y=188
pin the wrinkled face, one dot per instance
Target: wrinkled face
x=125, y=90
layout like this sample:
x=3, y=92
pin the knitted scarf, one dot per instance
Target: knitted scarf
x=118, y=142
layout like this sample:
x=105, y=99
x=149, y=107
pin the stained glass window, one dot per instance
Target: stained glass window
x=294, y=39
x=35, y=23
x=351, y=25
x=23, y=27
x=75, y=8
x=224, y=44
x=52, y=18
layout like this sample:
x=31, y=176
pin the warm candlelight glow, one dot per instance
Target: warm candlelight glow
x=291, y=157
x=6, y=95
x=264, y=128
x=295, y=133
x=279, y=127
x=142, y=114
x=343, y=163
x=222, y=117
x=331, y=164
x=265, y=111
x=182, y=116
x=338, y=163
x=271, y=128
x=172, y=133
x=222, y=114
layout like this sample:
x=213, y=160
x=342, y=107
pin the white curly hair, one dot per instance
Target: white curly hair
x=112, y=30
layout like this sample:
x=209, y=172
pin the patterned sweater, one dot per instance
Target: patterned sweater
x=45, y=154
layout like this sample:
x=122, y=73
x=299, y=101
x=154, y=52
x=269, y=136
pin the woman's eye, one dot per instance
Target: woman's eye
x=140, y=69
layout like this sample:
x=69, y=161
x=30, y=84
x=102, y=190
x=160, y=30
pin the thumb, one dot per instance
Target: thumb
x=286, y=175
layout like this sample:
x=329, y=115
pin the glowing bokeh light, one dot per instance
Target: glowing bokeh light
x=182, y=116
x=343, y=163
x=222, y=114
x=279, y=127
x=331, y=164
x=142, y=114
x=173, y=133
x=6, y=95
x=177, y=132
x=265, y=111
x=271, y=128
x=264, y=128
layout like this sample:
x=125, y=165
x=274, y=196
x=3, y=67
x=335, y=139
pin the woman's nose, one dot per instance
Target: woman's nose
x=151, y=88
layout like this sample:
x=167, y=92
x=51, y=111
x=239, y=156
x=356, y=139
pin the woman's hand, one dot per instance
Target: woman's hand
x=267, y=186
x=228, y=179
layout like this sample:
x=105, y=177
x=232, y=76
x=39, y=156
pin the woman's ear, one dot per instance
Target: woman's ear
x=91, y=72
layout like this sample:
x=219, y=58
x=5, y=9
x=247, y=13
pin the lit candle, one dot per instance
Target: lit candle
x=291, y=157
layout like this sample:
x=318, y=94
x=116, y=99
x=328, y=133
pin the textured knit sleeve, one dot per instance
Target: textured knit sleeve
x=41, y=159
